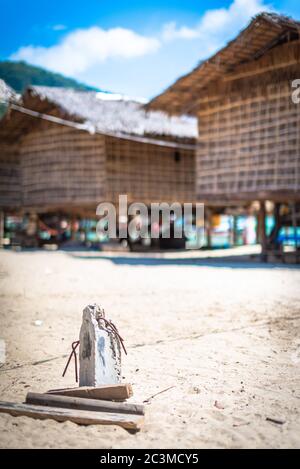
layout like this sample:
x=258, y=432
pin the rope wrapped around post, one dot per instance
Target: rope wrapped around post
x=73, y=352
x=109, y=328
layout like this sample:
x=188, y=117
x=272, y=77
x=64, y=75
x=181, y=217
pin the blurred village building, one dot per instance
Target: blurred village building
x=245, y=98
x=64, y=151
x=243, y=161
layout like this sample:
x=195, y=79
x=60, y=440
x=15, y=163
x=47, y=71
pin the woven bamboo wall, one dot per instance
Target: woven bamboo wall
x=149, y=173
x=10, y=188
x=62, y=167
x=250, y=132
x=56, y=167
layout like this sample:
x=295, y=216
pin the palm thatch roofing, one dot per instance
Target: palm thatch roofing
x=265, y=31
x=104, y=113
x=7, y=93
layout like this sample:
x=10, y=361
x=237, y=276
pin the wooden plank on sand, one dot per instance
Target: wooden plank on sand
x=83, y=417
x=81, y=403
x=111, y=392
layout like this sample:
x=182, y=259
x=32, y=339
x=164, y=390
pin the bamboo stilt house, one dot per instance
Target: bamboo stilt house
x=249, y=126
x=10, y=171
x=71, y=150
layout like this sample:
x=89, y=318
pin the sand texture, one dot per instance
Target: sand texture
x=224, y=338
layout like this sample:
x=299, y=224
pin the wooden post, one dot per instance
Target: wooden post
x=262, y=238
x=235, y=233
x=294, y=222
x=273, y=237
x=2, y=219
x=208, y=226
x=100, y=350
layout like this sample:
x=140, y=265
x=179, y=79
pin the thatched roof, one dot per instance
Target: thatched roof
x=7, y=93
x=109, y=113
x=264, y=32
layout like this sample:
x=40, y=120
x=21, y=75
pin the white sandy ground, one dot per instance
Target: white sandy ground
x=227, y=338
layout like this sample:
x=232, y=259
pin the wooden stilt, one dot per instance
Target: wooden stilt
x=272, y=238
x=294, y=222
x=1, y=227
x=235, y=230
x=208, y=227
x=262, y=238
x=234, y=237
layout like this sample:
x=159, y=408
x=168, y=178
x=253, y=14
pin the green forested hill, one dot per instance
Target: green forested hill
x=19, y=75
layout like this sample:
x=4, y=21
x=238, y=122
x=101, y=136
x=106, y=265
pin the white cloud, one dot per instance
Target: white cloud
x=216, y=26
x=59, y=27
x=82, y=49
x=97, y=56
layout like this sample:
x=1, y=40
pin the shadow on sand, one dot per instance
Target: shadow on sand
x=233, y=262
x=171, y=258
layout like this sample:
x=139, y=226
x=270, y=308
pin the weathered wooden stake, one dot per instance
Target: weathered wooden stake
x=82, y=403
x=100, y=350
x=110, y=392
x=131, y=422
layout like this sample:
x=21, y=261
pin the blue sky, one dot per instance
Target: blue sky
x=136, y=48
